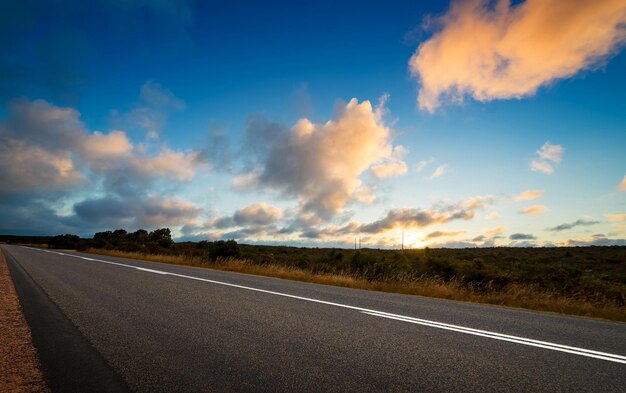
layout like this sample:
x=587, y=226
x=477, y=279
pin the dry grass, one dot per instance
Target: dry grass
x=19, y=364
x=514, y=295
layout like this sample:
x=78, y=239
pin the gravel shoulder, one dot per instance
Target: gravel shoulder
x=19, y=363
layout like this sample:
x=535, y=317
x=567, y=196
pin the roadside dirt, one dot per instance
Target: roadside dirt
x=19, y=364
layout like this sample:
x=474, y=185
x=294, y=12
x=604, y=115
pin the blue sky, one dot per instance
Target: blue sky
x=469, y=123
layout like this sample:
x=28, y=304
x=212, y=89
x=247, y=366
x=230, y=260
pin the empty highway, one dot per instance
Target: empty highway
x=116, y=324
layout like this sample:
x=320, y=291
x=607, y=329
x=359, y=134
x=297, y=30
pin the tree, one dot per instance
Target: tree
x=162, y=236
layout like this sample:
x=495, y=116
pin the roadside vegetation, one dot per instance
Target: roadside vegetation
x=586, y=281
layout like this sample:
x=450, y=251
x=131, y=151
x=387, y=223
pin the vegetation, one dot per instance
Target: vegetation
x=575, y=280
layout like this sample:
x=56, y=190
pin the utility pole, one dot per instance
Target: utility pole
x=355, y=242
x=403, y=240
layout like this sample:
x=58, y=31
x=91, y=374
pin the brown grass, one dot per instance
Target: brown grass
x=19, y=364
x=514, y=295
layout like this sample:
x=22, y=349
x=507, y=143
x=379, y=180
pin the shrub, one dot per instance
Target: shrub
x=224, y=249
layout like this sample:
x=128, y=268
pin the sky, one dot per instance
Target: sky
x=469, y=123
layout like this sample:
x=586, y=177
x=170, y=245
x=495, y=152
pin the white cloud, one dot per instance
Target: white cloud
x=494, y=50
x=548, y=156
x=423, y=164
x=439, y=171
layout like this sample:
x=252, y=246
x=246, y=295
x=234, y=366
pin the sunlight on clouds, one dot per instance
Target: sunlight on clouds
x=622, y=185
x=257, y=214
x=498, y=51
x=616, y=217
x=494, y=215
x=527, y=195
x=169, y=163
x=320, y=163
x=535, y=210
x=28, y=168
x=107, y=145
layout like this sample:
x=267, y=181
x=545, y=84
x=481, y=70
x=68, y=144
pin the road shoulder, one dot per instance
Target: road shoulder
x=68, y=360
x=20, y=369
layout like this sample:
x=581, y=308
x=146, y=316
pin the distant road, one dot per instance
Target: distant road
x=161, y=328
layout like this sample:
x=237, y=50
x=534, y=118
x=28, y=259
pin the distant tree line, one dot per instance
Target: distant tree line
x=158, y=241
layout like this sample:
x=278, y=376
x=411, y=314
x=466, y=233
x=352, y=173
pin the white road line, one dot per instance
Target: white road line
x=439, y=325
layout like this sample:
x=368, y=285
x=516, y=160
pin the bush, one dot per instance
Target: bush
x=66, y=241
x=224, y=249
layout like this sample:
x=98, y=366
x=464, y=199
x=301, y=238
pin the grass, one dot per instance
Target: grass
x=520, y=295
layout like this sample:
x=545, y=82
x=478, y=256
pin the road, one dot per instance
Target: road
x=152, y=327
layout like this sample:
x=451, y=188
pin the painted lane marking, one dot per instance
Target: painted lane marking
x=425, y=322
x=532, y=343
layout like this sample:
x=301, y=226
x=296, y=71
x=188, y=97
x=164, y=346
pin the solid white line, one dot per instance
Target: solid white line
x=498, y=335
x=439, y=325
x=532, y=343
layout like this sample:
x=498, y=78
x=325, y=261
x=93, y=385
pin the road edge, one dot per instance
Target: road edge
x=68, y=360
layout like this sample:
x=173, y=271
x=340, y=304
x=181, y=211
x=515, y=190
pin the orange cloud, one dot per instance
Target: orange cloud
x=494, y=231
x=622, y=185
x=616, y=217
x=494, y=215
x=257, y=214
x=527, y=195
x=535, y=210
x=501, y=51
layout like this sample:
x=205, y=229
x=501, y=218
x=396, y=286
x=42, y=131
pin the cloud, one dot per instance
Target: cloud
x=257, y=214
x=393, y=166
x=494, y=50
x=48, y=157
x=25, y=168
x=622, y=186
x=616, y=217
x=151, y=111
x=491, y=232
x=438, y=234
x=477, y=202
x=494, y=215
x=535, y=210
x=410, y=218
x=567, y=226
x=320, y=164
x=439, y=171
x=423, y=164
x=150, y=212
x=594, y=241
x=522, y=236
x=547, y=157
x=527, y=195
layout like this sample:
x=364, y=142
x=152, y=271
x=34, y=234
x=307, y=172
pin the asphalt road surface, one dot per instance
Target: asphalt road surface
x=149, y=327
